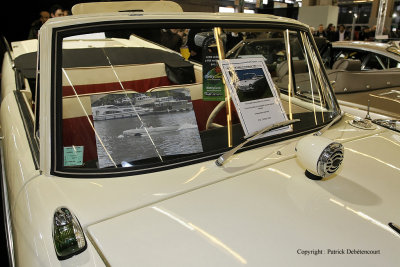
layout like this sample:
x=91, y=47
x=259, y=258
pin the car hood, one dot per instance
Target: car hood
x=271, y=216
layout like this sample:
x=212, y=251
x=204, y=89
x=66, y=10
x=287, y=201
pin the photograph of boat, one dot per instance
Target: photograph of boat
x=143, y=100
x=168, y=125
x=118, y=106
x=144, y=130
x=169, y=104
x=110, y=112
x=162, y=129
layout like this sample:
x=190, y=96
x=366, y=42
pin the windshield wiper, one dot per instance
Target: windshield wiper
x=221, y=160
x=334, y=120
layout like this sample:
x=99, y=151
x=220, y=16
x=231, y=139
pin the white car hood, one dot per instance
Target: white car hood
x=272, y=216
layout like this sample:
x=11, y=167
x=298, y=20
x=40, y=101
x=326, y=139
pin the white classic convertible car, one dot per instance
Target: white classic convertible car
x=284, y=180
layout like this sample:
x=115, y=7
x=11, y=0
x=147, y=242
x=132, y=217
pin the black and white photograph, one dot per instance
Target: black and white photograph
x=127, y=125
x=251, y=84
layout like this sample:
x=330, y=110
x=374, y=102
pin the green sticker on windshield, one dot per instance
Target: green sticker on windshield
x=73, y=156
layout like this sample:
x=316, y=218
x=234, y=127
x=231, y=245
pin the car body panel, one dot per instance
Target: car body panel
x=384, y=101
x=176, y=198
x=7, y=78
x=36, y=205
x=15, y=146
x=257, y=209
x=234, y=221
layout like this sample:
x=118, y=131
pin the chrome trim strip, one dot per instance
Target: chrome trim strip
x=289, y=64
x=28, y=126
x=6, y=211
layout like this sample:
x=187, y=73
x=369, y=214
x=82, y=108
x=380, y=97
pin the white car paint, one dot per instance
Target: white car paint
x=259, y=209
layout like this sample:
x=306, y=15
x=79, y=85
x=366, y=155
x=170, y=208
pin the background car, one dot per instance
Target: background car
x=173, y=188
x=372, y=55
x=366, y=74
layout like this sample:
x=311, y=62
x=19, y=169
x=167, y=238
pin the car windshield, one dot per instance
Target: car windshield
x=143, y=99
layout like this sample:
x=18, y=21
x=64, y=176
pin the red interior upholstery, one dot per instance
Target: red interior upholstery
x=78, y=132
x=140, y=86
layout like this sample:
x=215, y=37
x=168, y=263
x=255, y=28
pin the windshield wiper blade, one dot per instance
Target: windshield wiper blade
x=221, y=160
x=335, y=119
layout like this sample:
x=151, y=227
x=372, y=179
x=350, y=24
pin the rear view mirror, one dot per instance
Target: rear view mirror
x=202, y=36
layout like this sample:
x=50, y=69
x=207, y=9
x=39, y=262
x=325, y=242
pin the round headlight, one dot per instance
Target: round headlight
x=320, y=156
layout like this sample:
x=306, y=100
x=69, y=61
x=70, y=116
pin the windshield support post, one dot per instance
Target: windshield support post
x=221, y=55
x=290, y=80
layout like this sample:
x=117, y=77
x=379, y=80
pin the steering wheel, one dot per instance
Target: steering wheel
x=210, y=124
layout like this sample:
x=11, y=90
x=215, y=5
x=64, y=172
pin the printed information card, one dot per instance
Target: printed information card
x=254, y=95
x=213, y=87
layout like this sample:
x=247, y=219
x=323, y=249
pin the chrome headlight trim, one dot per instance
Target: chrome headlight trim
x=330, y=159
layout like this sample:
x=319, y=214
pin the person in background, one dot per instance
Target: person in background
x=357, y=32
x=33, y=32
x=342, y=34
x=195, y=51
x=56, y=11
x=320, y=32
x=363, y=36
x=371, y=34
x=330, y=32
x=172, y=38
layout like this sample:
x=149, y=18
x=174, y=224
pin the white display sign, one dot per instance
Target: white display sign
x=254, y=95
